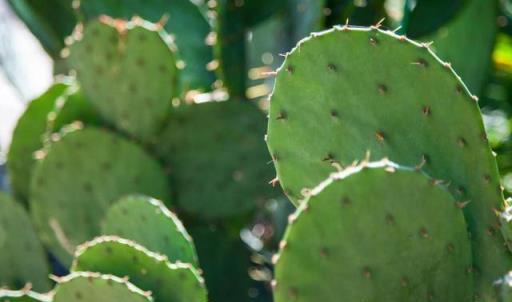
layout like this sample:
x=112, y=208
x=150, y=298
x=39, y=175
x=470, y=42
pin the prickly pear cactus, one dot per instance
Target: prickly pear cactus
x=229, y=153
x=180, y=18
x=27, y=139
x=94, y=287
x=22, y=258
x=139, y=57
x=366, y=229
x=347, y=91
x=60, y=105
x=149, y=271
x=24, y=295
x=81, y=175
x=148, y=222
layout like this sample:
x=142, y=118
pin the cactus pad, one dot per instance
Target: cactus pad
x=140, y=59
x=27, y=139
x=348, y=90
x=226, y=158
x=60, y=105
x=180, y=18
x=94, y=287
x=149, y=271
x=23, y=295
x=81, y=175
x=148, y=222
x=360, y=236
x=22, y=258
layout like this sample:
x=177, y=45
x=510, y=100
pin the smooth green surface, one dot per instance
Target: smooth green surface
x=27, y=138
x=93, y=287
x=148, y=271
x=22, y=258
x=467, y=42
x=22, y=296
x=217, y=158
x=81, y=175
x=128, y=71
x=148, y=222
x=183, y=20
x=379, y=236
x=347, y=92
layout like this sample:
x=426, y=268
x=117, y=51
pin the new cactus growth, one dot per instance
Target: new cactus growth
x=147, y=270
x=80, y=176
x=380, y=233
x=112, y=51
x=219, y=148
x=346, y=91
x=148, y=222
x=94, y=287
x=22, y=258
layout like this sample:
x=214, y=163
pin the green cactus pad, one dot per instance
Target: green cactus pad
x=27, y=139
x=81, y=175
x=225, y=260
x=127, y=54
x=148, y=222
x=60, y=105
x=184, y=21
x=94, y=287
x=375, y=232
x=23, y=295
x=347, y=91
x=455, y=42
x=219, y=148
x=147, y=270
x=22, y=258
